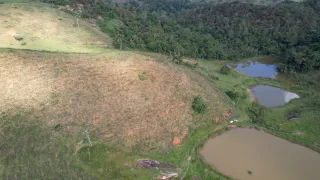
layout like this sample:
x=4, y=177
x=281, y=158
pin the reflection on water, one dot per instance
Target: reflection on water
x=240, y=151
x=269, y=96
x=263, y=67
x=257, y=69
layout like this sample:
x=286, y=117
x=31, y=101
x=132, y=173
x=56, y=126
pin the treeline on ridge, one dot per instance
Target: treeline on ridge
x=228, y=31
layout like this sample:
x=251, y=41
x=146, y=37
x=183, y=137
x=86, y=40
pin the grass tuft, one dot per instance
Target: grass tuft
x=143, y=76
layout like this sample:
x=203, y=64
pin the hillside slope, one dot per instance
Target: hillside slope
x=92, y=115
x=106, y=93
x=44, y=27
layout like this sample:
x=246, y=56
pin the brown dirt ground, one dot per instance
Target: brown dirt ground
x=104, y=93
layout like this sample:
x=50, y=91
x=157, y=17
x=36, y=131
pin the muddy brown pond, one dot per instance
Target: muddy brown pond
x=244, y=153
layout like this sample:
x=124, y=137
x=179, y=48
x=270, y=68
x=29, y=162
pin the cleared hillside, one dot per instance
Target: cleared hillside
x=93, y=115
x=106, y=93
x=100, y=96
x=45, y=27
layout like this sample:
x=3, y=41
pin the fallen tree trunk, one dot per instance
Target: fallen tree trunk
x=145, y=163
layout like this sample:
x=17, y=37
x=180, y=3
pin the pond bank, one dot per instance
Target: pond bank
x=270, y=96
x=243, y=150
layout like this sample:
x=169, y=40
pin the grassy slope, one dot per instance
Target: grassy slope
x=75, y=91
x=22, y=135
x=59, y=103
x=31, y=147
x=45, y=27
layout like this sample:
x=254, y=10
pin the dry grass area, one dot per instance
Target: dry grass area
x=44, y=27
x=104, y=94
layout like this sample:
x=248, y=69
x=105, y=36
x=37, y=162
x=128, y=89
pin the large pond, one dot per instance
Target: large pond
x=255, y=155
x=263, y=67
x=270, y=97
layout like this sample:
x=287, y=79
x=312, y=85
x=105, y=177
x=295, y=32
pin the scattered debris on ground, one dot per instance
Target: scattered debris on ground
x=168, y=175
x=165, y=175
x=294, y=117
x=145, y=163
x=299, y=133
x=234, y=121
x=18, y=37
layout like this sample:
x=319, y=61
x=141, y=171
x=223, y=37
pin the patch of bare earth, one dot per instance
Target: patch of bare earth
x=106, y=95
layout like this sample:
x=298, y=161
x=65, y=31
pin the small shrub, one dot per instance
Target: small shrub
x=225, y=70
x=237, y=93
x=213, y=77
x=199, y=105
x=177, y=59
x=23, y=44
x=256, y=113
x=58, y=127
x=143, y=76
x=191, y=64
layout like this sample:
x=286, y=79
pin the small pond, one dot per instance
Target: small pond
x=263, y=67
x=270, y=97
x=249, y=154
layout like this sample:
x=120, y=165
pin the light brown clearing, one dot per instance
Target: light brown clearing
x=47, y=28
x=104, y=93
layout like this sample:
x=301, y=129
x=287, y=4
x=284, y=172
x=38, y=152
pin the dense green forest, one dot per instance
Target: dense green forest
x=226, y=31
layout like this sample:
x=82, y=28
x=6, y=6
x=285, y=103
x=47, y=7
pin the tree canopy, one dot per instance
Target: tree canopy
x=229, y=31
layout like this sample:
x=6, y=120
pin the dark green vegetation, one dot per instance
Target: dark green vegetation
x=199, y=105
x=225, y=70
x=256, y=113
x=216, y=31
x=237, y=93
